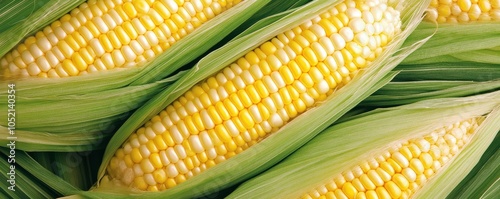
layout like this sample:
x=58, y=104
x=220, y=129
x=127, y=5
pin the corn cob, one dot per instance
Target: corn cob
x=105, y=34
x=460, y=11
x=404, y=168
x=254, y=96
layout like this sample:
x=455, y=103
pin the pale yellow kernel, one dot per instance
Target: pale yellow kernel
x=423, y=144
x=409, y=174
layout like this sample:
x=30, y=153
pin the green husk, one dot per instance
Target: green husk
x=73, y=167
x=32, y=179
x=344, y=145
x=493, y=191
x=24, y=186
x=295, y=133
x=399, y=93
x=73, y=122
x=476, y=42
x=43, y=141
x=456, y=71
x=15, y=12
x=77, y=109
x=3, y=194
x=481, y=180
x=436, y=80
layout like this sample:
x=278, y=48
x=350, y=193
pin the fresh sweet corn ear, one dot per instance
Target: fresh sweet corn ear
x=462, y=11
x=105, y=34
x=255, y=96
x=404, y=168
x=420, y=150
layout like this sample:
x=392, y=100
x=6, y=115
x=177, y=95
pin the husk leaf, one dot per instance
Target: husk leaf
x=43, y=181
x=480, y=183
x=477, y=41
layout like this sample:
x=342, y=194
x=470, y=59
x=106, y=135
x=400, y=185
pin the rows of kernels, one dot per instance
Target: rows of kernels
x=106, y=34
x=403, y=169
x=255, y=96
x=453, y=11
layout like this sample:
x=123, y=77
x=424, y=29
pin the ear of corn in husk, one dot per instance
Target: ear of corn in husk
x=461, y=60
x=269, y=151
x=103, y=35
x=420, y=150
